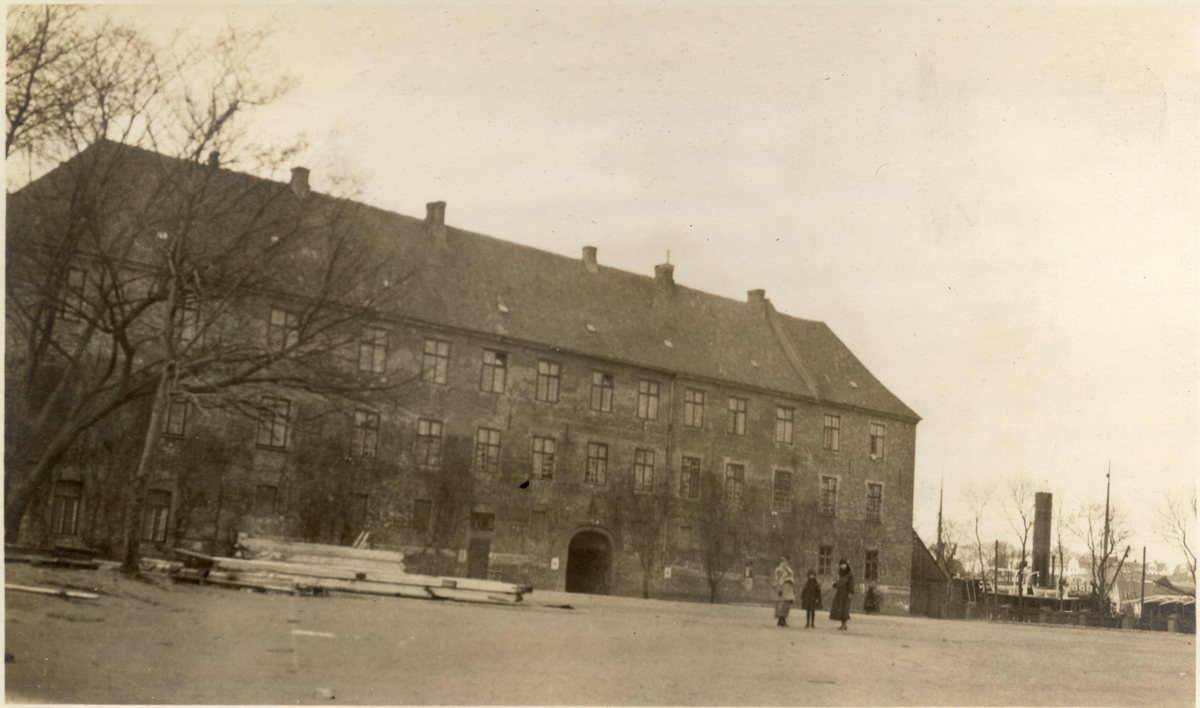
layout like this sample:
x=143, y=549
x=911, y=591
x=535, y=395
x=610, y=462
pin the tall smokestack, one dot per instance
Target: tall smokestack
x=1042, y=508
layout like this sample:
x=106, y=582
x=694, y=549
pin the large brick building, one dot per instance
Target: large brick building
x=571, y=425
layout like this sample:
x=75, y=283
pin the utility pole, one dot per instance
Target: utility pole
x=1142, y=604
x=1104, y=544
x=940, y=557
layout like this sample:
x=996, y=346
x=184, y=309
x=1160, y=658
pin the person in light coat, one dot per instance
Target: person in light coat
x=785, y=584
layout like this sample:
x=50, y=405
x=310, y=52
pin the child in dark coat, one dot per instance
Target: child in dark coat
x=810, y=599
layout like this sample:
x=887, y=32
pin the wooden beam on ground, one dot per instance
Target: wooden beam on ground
x=288, y=548
x=57, y=592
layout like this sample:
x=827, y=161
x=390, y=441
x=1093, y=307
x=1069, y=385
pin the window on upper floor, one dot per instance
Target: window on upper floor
x=547, y=381
x=283, y=329
x=602, y=391
x=274, y=419
x=372, y=350
x=829, y=496
x=781, y=499
x=543, y=457
x=874, y=501
x=693, y=408
x=428, y=452
x=435, y=362
x=366, y=434
x=174, y=423
x=735, y=482
x=487, y=450
x=736, y=422
x=832, y=437
x=647, y=400
x=495, y=367
x=784, y=424
x=597, y=464
x=877, y=441
x=643, y=470
x=689, y=478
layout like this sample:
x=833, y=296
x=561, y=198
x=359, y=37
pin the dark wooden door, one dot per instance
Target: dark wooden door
x=477, y=558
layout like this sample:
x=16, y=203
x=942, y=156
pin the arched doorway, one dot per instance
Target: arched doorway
x=589, y=561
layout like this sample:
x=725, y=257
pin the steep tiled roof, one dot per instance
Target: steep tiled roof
x=474, y=282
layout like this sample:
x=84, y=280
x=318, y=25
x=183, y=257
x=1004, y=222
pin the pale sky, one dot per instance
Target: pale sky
x=995, y=208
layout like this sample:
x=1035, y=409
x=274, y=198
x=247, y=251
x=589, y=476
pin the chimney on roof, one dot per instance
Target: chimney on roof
x=300, y=181
x=435, y=222
x=664, y=275
x=758, y=300
x=589, y=259
x=214, y=159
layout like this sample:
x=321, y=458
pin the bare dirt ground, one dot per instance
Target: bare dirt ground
x=163, y=643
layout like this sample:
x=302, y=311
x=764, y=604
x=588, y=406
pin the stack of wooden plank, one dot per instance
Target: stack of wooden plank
x=319, y=569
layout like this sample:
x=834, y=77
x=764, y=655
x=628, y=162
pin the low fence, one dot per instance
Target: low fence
x=1079, y=618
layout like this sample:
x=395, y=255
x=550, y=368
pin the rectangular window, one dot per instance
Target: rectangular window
x=602, y=391
x=283, y=329
x=73, y=301
x=537, y=521
x=273, y=420
x=154, y=515
x=825, y=560
x=429, y=443
x=543, y=457
x=689, y=478
x=736, y=424
x=187, y=318
x=647, y=400
x=693, y=408
x=64, y=517
x=871, y=566
x=874, y=501
x=366, y=434
x=265, y=497
x=597, y=464
x=877, y=446
x=829, y=496
x=421, y=514
x=684, y=543
x=372, y=350
x=735, y=481
x=784, y=424
x=175, y=419
x=547, y=382
x=487, y=450
x=643, y=470
x=481, y=521
x=781, y=499
x=495, y=365
x=831, y=440
x=436, y=361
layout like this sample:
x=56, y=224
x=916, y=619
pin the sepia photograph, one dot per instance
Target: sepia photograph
x=602, y=354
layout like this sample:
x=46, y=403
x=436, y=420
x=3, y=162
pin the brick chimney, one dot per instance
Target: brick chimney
x=758, y=300
x=435, y=222
x=664, y=275
x=589, y=259
x=300, y=181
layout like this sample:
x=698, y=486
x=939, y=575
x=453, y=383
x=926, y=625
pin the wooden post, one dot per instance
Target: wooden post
x=996, y=573
x=1142, y=604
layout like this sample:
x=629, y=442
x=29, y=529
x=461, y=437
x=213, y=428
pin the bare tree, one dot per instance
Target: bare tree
x=721, y=527
x=1176, y=519
x=1103, y=538
x=640, y=517
x=1019, y=510
x=979, y=497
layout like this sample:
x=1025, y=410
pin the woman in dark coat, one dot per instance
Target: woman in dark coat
x=840, y=609
x=810, y=599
